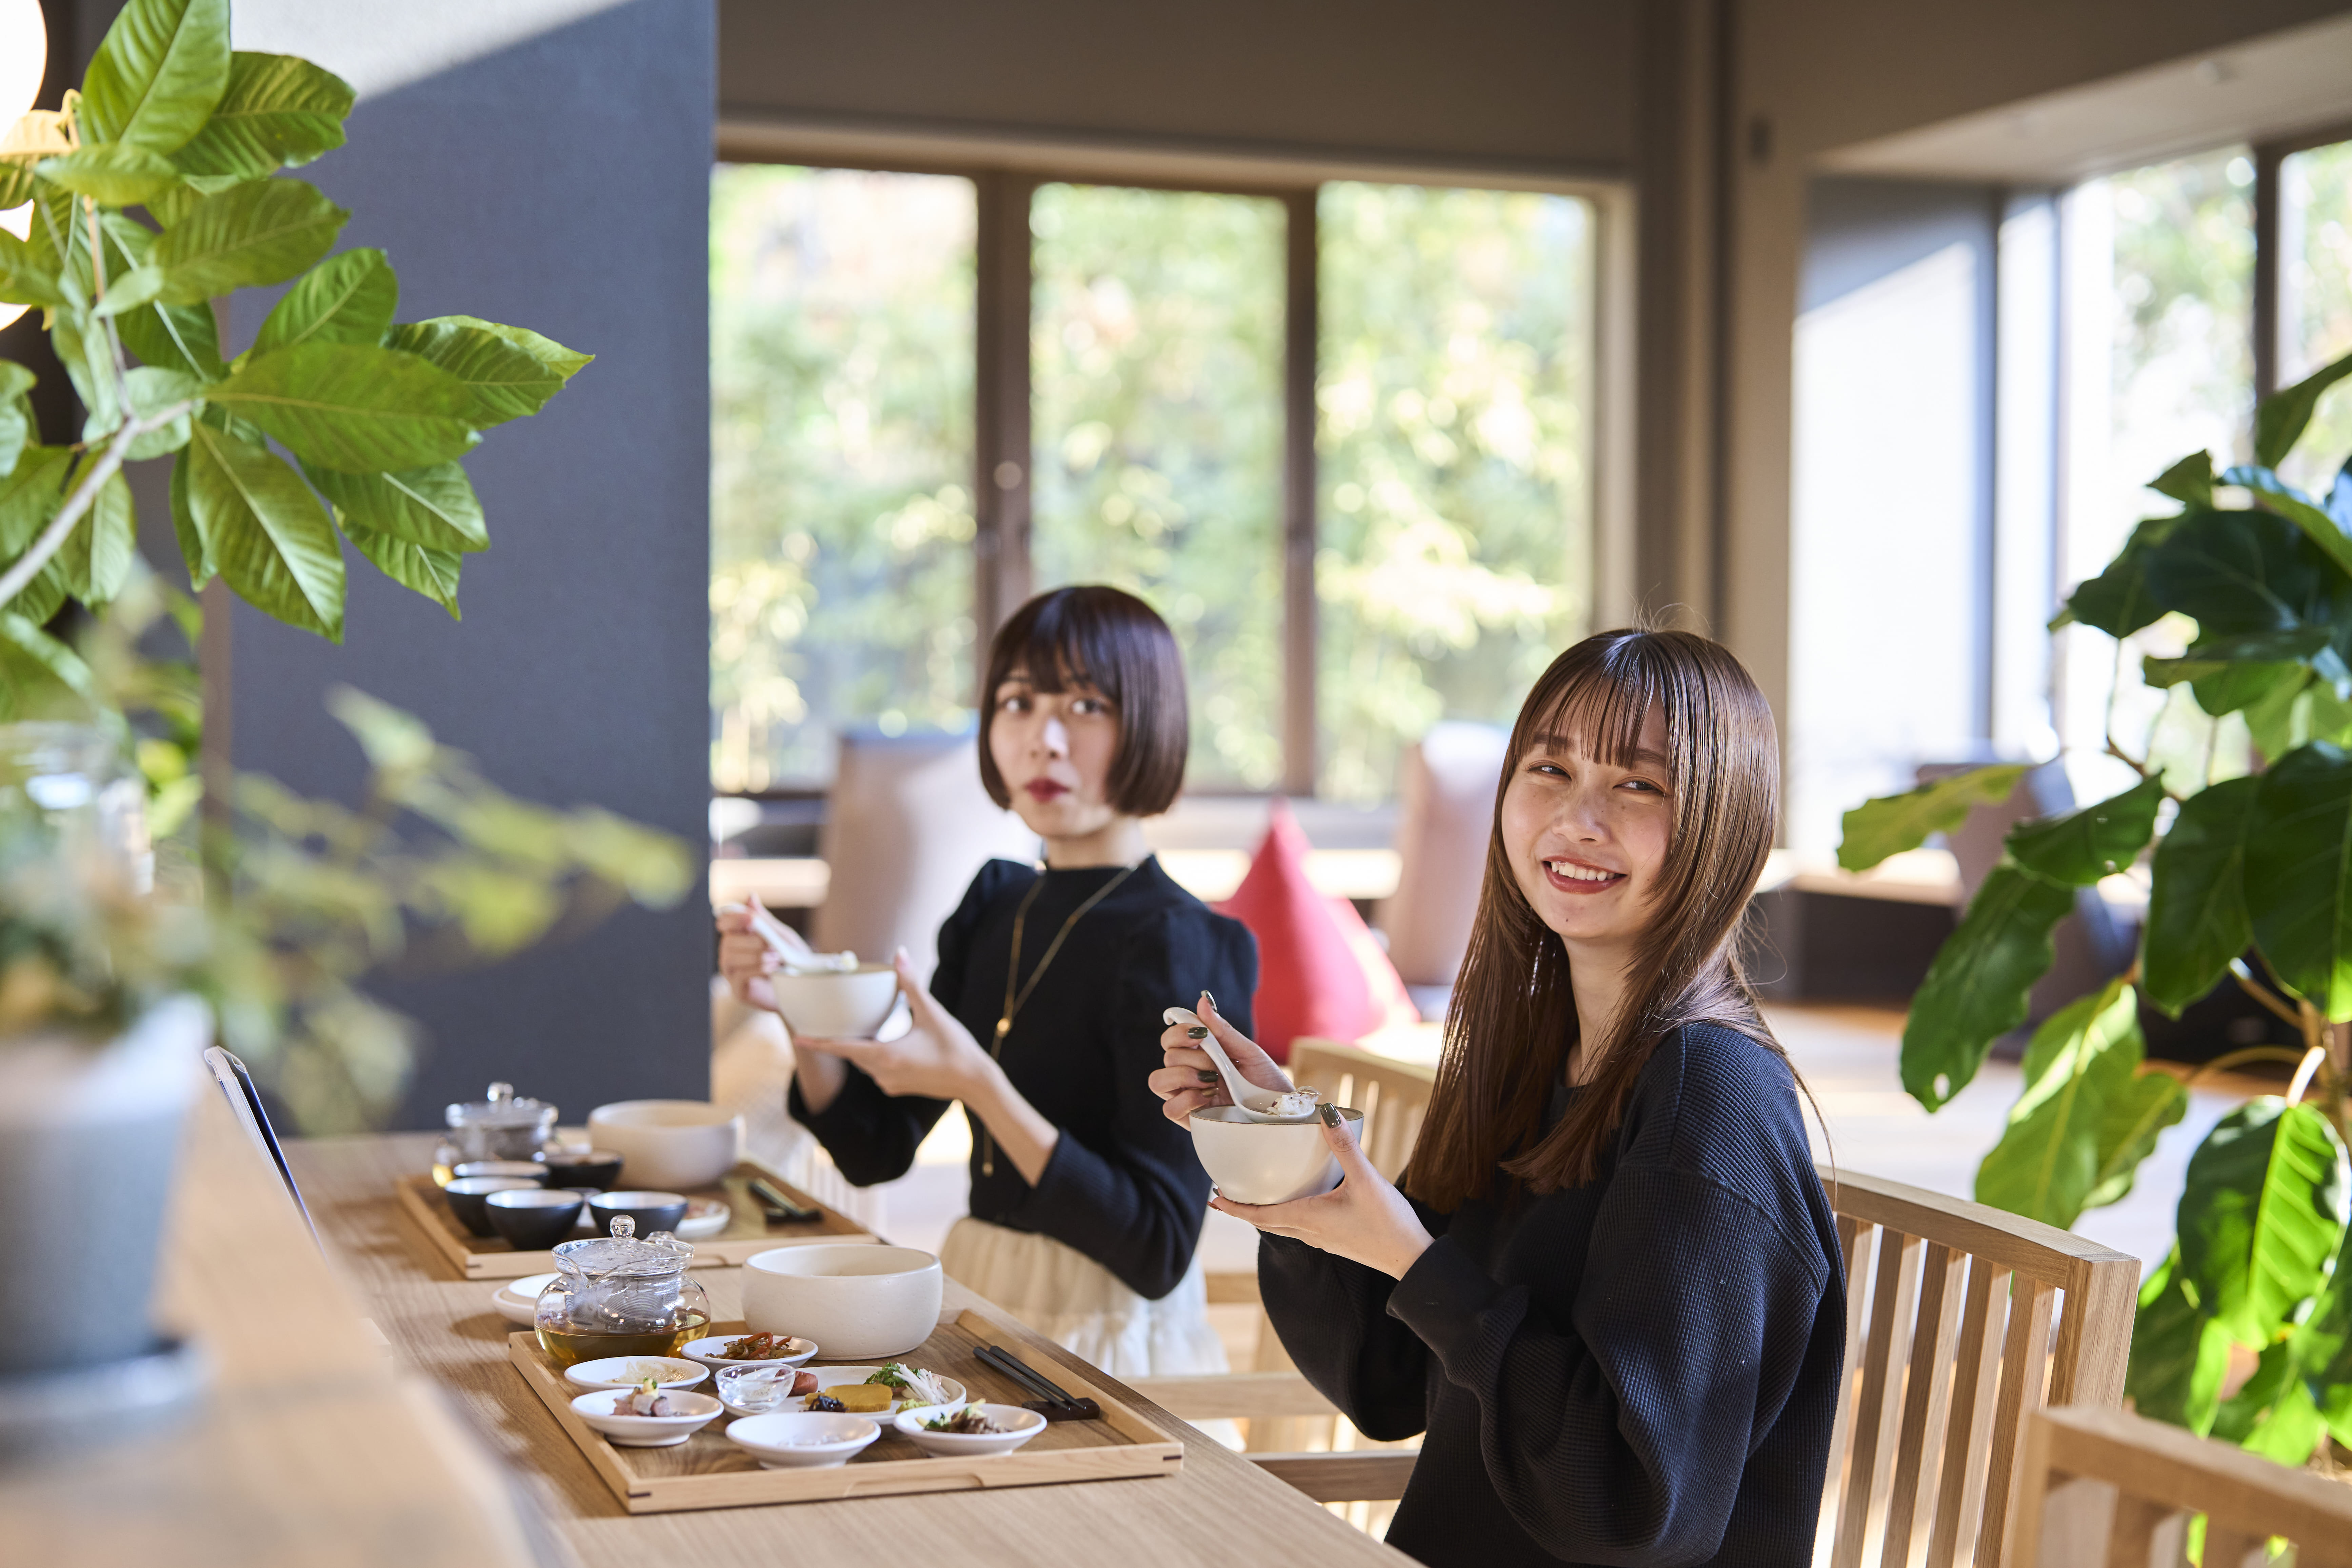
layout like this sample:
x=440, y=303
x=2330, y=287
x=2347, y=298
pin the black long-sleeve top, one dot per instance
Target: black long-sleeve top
x=1639, y=1369
x=1122, y=1185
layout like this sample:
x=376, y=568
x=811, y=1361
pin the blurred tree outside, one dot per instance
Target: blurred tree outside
x=1455, y=530
x=841, y=349
x=1155, y=365
x=2316, y=297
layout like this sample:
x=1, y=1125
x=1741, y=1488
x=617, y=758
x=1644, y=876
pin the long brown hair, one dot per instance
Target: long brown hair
x=1512, y=1021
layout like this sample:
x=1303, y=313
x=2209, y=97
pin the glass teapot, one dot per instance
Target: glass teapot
x=499, y=1127
x=621, y=1295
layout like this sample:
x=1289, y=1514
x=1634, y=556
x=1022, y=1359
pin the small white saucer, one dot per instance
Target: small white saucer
x=1023, y=1424
x=695, y=1411
x=704, y=1216
x=833, y=1376
x=628, y=1370
x=517, y=1300
x=706, y=1351
x=780, y=1442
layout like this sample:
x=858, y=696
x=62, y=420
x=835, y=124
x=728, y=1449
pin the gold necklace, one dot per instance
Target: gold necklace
x=1013, y=997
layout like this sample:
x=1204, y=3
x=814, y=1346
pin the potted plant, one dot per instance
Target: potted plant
x=2250, y=886
x=156, y=191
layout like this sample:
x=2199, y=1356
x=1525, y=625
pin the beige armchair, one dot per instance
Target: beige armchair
x=1445, y=812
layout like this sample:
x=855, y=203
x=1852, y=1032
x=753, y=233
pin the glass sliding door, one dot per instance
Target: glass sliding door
x=841, y=345
x=1156, y=345
x=2315, y=300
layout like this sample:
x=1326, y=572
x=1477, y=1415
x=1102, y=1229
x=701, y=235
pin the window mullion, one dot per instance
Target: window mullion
x=1001, y=490
x=1298, y=499
x=2266, y=270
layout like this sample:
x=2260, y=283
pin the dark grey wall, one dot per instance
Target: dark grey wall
x=1546, y=83
x=563, y=186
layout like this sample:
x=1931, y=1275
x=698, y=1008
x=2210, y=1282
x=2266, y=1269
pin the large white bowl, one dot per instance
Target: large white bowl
x=852, y=1005
x=672, y=1144
x=854, y=1299
x=1265, y=1162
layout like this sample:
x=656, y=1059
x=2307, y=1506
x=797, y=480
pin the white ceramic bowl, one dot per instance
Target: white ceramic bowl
x=628, y=1370
x=671, y=1144
x=695, y=1411
x=803, y=1442
x=854, y=1299
x=1023, y=1424
x=853, y=1005
x=1265, y=1162
x=517, y=1300
x=706, y=1351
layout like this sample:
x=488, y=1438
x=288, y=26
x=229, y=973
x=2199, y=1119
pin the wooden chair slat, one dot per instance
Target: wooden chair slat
x=1874, y=1419
x=1926, y=1400
x=2226, y=1548
x=1968, y=1445
x=2023, y=1371
x=1856, y=1240
x=2131, y=1538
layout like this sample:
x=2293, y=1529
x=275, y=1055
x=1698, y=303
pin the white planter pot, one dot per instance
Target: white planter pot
x=88, y=1139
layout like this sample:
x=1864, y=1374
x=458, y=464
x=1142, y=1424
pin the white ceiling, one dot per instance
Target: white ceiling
x=379, y=45
x=2276, y=87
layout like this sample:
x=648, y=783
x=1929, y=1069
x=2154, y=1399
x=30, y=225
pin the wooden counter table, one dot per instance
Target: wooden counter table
x=1219, y=1510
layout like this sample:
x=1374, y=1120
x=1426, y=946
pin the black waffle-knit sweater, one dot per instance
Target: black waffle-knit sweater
x=1122, y=1184
x=1643, y=1370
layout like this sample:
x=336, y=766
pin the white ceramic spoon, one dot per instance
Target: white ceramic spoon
x=786, y=943
x=1258, y=1104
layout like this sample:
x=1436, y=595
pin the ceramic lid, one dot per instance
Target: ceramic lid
x=624, y=1254
x=500, y=1110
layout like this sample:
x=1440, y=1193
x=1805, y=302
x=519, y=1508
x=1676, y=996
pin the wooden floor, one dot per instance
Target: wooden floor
x=1847, y=1055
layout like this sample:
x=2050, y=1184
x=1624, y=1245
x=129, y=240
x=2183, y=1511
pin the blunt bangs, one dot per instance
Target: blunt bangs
x=1099, y=638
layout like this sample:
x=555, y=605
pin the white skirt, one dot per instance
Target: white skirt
x=1084, y=1307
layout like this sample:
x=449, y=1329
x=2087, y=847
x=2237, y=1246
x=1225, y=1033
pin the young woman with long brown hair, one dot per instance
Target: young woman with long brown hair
x=1610, y=1292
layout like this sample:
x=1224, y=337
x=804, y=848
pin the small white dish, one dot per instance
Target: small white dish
x=706, y=1351
x=800, y=1442
x=765, y=1389
x=517, y=1300
x=695, y=1411
x=704, y=1216
x=833, y=1376
x=1023, y=1425
x=629, y=1371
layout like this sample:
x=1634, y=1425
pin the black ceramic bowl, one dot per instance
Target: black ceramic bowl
x=599, y=1168
x=533, y=1217
x=466, y=1193
x=530, y=1170
x=652, y=1210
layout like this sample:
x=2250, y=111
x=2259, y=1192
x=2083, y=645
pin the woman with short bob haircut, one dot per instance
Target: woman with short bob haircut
x=1043, y=1018
x=1610, y=1292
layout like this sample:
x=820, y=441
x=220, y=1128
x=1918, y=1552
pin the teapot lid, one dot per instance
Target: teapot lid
x=501, y=1108
x=625, y=1254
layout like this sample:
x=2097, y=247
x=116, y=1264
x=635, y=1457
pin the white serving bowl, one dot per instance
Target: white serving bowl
x=673, y=1144
x=854, y=1299
x=517, y=1300
x=628, y=1370
x=1024, y=1424
x=850, y=1004
x=803, y=1442
x=706, y=1351
x=696, y=1411
x=1267, y=1162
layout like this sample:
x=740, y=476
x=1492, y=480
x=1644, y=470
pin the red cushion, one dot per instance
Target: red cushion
x=1320, y=972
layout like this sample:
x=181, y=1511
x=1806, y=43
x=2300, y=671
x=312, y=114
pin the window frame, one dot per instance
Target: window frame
x=1005, y=174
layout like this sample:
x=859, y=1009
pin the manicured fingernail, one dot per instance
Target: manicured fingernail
x=1212, y=996
x=1330, y=1115
x=1199, y=1031
x=1206, y=1075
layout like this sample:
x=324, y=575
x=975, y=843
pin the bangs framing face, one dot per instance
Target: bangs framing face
x=1605, y=712
x=1111, y=645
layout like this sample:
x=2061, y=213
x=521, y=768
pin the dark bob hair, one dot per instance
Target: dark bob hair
x=1096, y=636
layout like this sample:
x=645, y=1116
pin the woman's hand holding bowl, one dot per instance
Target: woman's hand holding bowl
x=937, y=1057
x=1364, y=1219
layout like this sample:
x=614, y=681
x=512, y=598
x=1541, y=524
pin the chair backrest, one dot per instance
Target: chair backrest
x=1950, y=1349
x=1393, y=1095
x=2106, y=1486
x=907, y=825
x=1446, y=808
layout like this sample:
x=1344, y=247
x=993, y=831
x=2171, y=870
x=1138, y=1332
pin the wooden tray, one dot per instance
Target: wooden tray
x=748, y=1228
x=708, y=1471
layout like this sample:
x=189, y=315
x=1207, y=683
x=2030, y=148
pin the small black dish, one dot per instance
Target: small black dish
x=533, y=1218
x=599, y=1168
x=652, y=1210
x=467, y=1195
x=530, y=1170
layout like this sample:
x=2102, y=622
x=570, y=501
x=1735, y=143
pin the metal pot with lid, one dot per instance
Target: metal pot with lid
x=621, y=1294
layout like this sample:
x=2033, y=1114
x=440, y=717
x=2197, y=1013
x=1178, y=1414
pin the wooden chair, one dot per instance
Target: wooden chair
x=1950, y=1349
x=2107, y=1487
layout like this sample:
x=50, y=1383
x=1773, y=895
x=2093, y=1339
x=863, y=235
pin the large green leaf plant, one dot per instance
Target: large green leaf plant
x=2252, y=886
x=155, y=194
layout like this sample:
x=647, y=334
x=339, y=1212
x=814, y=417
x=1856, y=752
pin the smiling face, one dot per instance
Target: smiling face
x=1055, y=751
x=1587, y=838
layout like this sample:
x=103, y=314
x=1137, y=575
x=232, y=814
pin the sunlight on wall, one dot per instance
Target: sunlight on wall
x=378, y=47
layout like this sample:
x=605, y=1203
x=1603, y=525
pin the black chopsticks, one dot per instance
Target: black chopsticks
x=1054, y=1403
